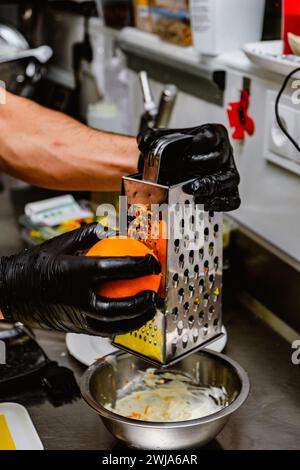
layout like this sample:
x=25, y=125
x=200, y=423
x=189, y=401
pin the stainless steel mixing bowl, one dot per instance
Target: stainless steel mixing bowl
x=102, y=380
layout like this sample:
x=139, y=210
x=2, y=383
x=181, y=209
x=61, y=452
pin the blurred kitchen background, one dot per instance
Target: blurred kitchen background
x=226, y=65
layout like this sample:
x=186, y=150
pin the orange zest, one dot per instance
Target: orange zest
x=135, y=415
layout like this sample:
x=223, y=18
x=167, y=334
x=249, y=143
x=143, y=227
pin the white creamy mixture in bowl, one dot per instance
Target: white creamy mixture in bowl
x=171, y=396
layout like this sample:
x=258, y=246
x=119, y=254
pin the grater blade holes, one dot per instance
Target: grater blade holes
x=192, y=222
x=185, y=341
x=196, y=304
x=181, y=295
x=180, y=326
x=187, y=206
x=191, y=290
x=195, y=335
x=181, y=261
x=201, y=317
x=206, y=299
x=216, y=324
x=186, y=242
x=191, y=321
x=177, y=207
x=211, y=280
x=211, y=312
x=181, y=226
x=175, y=314
x=216, y=230
x=216, y=294
x=186, y=308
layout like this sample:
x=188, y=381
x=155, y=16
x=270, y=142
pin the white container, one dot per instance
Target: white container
x=222, y=25
x=105, y=117
x=18, y=428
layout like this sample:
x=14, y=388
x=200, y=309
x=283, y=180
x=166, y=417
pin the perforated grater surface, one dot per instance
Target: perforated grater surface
x=189, y=316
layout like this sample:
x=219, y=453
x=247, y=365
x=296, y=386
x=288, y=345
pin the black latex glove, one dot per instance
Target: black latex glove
x=207, y=157
x=49, y=286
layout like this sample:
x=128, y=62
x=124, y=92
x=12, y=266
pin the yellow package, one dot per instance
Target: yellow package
x=6, y=440
x=171, y=21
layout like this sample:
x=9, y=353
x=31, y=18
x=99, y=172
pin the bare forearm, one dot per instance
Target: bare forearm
x=49, y=149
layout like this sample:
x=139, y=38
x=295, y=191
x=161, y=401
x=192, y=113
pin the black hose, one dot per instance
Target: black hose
x=277, y=102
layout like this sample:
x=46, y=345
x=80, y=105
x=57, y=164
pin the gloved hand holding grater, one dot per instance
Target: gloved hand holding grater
x=50, y=286
x=207, y=158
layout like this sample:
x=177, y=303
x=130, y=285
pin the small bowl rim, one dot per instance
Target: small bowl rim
x=105, y=413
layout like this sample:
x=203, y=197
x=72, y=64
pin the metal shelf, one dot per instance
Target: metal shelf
x=164, y=62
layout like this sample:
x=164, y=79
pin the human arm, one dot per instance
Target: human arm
x=49, y=149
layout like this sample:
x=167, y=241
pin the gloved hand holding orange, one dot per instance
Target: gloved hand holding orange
x=124, y=247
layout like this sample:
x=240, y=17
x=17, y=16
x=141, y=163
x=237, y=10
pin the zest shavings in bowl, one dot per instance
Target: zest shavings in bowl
x=170, y=396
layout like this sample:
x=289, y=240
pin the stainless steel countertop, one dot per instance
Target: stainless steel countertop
x=270, y=418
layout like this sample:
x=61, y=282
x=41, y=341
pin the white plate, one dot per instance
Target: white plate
x=220, y=344
x=268, y=55
x=20, y=427
x=86, y=349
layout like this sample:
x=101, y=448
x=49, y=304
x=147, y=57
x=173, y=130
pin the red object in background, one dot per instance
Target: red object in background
x=291, y=21
x=239, y=118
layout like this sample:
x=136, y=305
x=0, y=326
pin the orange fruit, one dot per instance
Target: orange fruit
x=118, y=247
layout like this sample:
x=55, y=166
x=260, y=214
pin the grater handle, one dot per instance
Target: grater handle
x=152, y=160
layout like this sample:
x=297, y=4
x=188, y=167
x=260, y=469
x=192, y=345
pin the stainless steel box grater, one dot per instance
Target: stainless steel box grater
x=190, y=314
